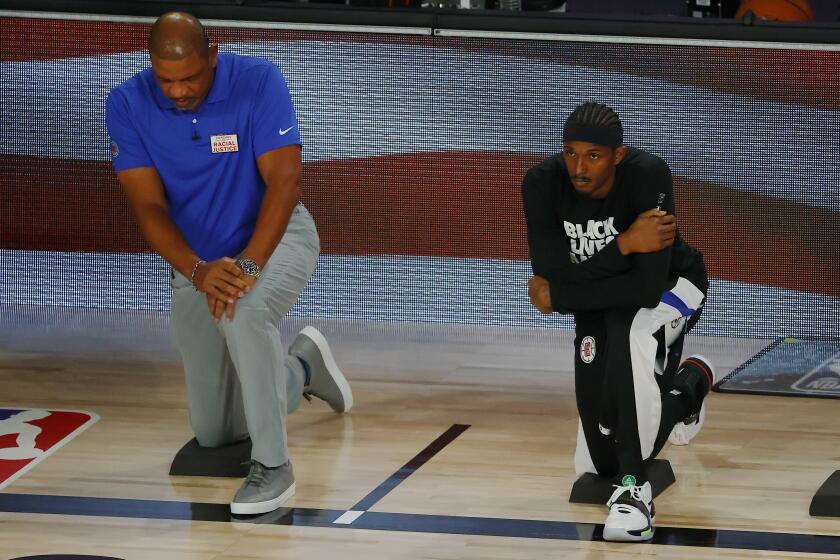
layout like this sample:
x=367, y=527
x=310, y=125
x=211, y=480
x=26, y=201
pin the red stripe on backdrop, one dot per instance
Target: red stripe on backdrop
x=25, y=39
x=807, y=78
x=451, y=204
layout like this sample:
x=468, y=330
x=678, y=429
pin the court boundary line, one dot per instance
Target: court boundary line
x=407, y=470
x=411, y=522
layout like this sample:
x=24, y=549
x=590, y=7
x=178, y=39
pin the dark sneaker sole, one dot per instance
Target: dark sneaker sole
x=706, y=367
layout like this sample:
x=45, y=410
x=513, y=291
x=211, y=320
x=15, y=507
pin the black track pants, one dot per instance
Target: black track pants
x=624, y=362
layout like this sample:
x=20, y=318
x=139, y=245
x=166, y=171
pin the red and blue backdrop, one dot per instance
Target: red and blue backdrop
x=415, y=146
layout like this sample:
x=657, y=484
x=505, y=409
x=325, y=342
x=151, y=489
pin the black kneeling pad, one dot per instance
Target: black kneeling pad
x=593, y=489
x=826, y=502
x=230, y=460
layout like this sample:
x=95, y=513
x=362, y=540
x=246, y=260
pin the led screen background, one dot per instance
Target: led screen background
x=414, y=150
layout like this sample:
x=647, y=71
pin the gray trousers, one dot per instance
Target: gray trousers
x=240, y=381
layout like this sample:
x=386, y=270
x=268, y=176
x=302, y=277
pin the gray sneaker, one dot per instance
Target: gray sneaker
x=264, y=490
x=326, y=382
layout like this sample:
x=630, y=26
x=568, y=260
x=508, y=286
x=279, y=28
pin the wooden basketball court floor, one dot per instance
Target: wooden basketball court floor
x=459, y=446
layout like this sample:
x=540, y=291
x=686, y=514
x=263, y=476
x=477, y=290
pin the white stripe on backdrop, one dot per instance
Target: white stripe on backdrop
x=357, y=100
x=396, y=288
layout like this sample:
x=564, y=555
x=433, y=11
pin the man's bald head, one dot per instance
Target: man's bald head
x=176, y=35
x=183, y=62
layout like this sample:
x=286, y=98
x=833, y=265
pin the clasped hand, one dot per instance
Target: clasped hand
x=224, y=283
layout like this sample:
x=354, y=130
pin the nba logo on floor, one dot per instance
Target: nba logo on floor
x=824, y=379
x=28, y=436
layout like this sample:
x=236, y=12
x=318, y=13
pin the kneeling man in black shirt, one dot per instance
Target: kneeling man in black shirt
x=604, y=246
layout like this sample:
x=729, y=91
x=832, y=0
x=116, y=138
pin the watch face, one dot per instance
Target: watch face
x=249, y=267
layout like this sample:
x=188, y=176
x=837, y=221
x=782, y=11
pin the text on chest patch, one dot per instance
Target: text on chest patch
x=221, y=143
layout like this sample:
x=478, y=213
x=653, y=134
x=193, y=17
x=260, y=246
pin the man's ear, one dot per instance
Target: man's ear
x=619, y=154
x=213, y=54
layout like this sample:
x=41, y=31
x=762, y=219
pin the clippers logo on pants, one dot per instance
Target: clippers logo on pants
x=587, y=349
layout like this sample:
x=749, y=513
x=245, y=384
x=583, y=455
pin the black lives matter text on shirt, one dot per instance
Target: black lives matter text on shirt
x=587, y=240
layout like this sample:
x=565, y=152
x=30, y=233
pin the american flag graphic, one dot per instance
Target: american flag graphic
x=414, y=150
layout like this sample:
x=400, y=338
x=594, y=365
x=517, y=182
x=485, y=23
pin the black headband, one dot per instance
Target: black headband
x=596, y=134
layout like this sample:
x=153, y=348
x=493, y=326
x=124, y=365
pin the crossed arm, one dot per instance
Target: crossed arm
x=653, y=231
x=631, y=271
x=221, y=280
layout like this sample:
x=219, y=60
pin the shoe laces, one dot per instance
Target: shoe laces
x=308, y=393
x=691, y=419
x=635, y=493
x=257, y=474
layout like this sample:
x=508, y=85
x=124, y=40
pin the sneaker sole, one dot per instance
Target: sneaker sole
x=254, y=508
x=621, y=535
x=332, y=368
x=682, y=434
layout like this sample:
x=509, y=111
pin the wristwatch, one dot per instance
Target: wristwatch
x=249, y=267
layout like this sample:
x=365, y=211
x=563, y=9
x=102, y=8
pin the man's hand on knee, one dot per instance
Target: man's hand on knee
x=222, y=279
x=249, y=281
x=216, y=307
x=219, y=307
x=540, y=295
x=652, y=231
x=229, y=309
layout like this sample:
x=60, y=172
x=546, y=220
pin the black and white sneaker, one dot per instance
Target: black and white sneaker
x=695, y=377
x=632, y=513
